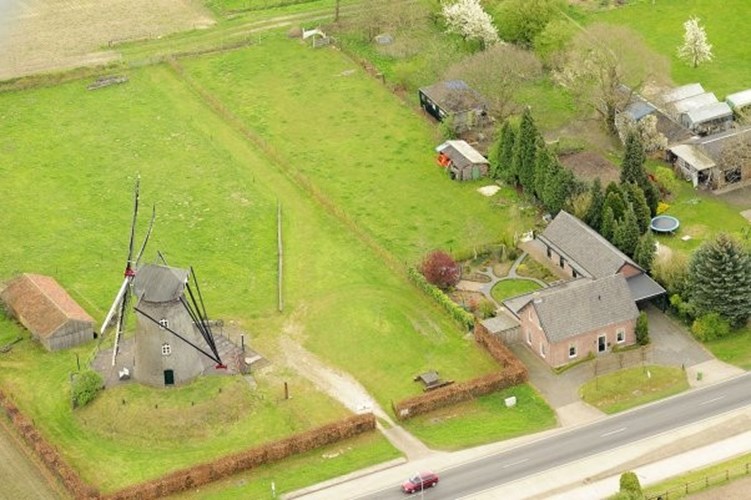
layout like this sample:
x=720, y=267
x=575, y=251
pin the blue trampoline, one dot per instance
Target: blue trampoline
x=664, y=224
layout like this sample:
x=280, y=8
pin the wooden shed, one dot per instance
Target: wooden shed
x=456, y=100
x=462, y=161
x=41, y=305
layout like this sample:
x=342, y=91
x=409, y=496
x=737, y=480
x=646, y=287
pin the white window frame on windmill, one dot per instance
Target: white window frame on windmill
x=166, y=349
x=163, y=323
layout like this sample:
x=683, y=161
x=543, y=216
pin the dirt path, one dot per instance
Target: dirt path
x=348, y=391
x=19, y=475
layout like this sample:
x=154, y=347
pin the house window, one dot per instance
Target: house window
x=620, y=336
x=572, y=351
x=529, y=338
x=166, y=349
x=561, y=262
x=163, y=323
x=573, y=274
x=542, y=349
x=550, y=253
x=529, y=313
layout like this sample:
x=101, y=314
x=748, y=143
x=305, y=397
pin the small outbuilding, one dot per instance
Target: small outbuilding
x=691, y=103
x=739, y=101
x=462, y=161
x=41, y=305
x=709, y=119
x=682, y=92
x=454, y=99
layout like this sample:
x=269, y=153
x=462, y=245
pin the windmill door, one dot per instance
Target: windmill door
x=169, y=377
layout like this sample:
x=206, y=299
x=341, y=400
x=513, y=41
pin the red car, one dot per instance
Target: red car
x=420, y=481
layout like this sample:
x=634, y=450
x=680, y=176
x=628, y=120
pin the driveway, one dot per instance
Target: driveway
x=671, y=344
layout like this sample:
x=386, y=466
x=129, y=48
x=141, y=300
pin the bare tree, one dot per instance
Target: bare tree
x=604, y=66
x=496, y=73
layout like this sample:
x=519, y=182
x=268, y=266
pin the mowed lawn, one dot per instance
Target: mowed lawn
x=661, y=25
x=370, y=154
x=69, y=158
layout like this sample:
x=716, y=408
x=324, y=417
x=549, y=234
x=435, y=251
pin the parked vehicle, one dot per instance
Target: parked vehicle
x=420, y=481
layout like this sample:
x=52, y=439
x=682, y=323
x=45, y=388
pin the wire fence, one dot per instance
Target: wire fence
x=707, y=481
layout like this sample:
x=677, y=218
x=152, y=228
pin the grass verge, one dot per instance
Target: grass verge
x=633, y=387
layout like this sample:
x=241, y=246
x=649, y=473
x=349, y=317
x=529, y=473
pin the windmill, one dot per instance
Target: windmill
x=173, y=333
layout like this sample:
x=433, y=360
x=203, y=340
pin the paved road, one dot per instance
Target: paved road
x=488, y=472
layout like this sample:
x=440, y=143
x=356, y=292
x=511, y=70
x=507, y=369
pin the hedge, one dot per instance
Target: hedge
x=461, y=316
x=186, y=479
x=513, y=373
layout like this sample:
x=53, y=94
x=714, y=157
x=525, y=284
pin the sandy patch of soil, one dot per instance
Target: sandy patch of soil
x=586, y=165
x=45, y=35
x=489, y=190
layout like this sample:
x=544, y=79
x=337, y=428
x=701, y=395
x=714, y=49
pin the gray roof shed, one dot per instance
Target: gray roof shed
x=461, y=153
x=694, y=102
x=739, y=99
x=454, y=96
x=709, y=112
x=682, y=92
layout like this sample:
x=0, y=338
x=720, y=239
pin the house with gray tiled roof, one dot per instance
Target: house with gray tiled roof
x=569, y=321
x=595, y=308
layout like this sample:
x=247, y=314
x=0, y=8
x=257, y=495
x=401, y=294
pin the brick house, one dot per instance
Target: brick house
x=566, y=322
x=41, y=305
x=594, y=308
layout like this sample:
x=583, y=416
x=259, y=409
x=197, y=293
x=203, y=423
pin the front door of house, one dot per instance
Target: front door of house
x=169, y=377
x=602, y=343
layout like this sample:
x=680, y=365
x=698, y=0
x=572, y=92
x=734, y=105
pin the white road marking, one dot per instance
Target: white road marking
x=514, y=463
x=711, y=400
x=613, y=432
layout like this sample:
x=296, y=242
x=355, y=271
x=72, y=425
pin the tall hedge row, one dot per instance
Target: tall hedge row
x=455, y=310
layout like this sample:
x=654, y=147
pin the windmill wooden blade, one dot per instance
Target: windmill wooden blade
x=121, y=321
x=148, y=234
x=129, y=262
x=115, y=305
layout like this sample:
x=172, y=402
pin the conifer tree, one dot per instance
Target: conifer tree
x=607, y=227
x=503, y=154
x=638, y=204
x=525, y=149
x=720, y=279
x=597, y=200
x=652, y=195
x=615, y=200
x=558, y=188
x=644, y=255
x=632, y=167
x=545, y=168
x=626, y=234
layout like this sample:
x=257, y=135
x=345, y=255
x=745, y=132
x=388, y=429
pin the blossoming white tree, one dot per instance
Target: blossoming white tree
x=695, y=49
x=468, y=19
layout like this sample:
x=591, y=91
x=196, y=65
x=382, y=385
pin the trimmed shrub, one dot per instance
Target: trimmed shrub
x=630, y=487
x=85, y=387
x=710, y=327
x=460, y=315
x=642, y=329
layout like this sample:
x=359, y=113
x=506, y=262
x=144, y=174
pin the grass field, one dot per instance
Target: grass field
x=734, y=349
x=216, y=204
x=488, y=415
x=632, y=387
x=661, y=25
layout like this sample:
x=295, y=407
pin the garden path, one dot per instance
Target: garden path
x=348, y=391
x=485, y=288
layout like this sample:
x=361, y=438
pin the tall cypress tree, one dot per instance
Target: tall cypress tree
x=558, y=187
x=525, y=149
x=626, y=234
x=597, y=200
x=638, y=203
x=720, y=279
x=644, y=255
x=503, y=154
x=632, y=168
x=545, y=167
x=615, y=200
x=608, y=223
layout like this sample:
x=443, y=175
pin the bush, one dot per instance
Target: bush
x=460, y=315
x=666, y=180
x=642, y=329
x=630, y=488
x=85, y=387
x=485, y=309
x=684, y=310
x=441, y=270
x=709, y=327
